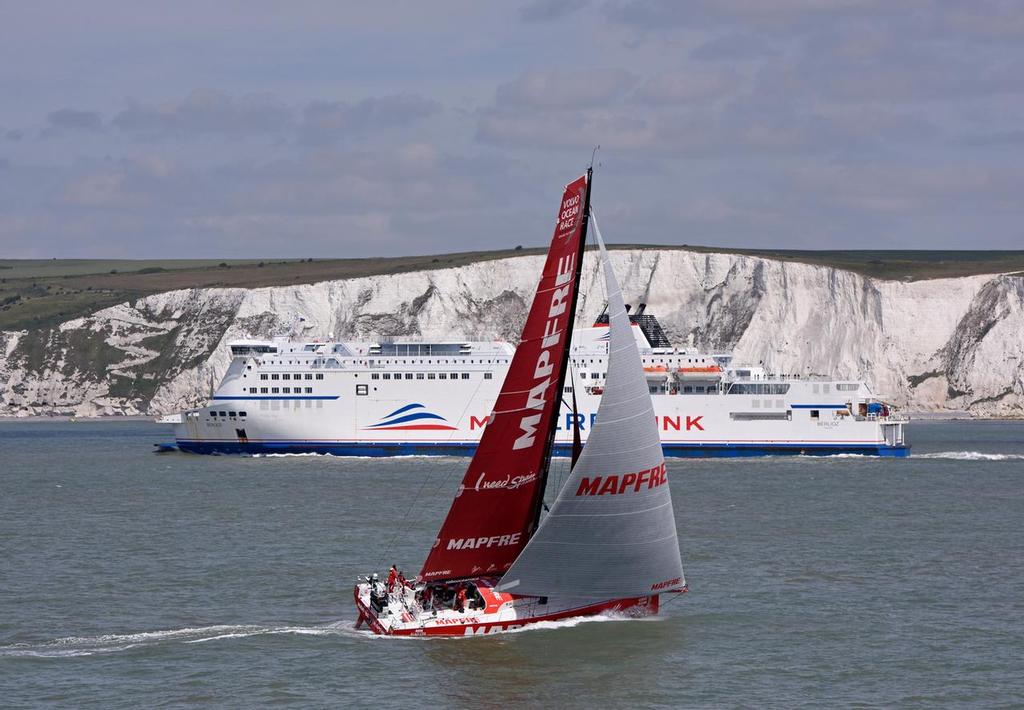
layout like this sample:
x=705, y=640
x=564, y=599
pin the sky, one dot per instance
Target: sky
x=335, y=129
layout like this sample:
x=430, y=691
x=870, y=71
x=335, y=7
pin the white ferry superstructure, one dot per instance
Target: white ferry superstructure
x=410, y=397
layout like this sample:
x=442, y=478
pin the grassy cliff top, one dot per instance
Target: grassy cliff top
x=37, y=293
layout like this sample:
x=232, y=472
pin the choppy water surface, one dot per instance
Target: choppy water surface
x=134, y=579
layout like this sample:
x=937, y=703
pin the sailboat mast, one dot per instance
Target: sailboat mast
x=538, y=503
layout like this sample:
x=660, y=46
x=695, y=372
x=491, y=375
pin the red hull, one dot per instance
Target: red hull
x=633, y=606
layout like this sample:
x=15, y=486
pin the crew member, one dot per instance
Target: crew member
x=460, y=599
x=392, y=577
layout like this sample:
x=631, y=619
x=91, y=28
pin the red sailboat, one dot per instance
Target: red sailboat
x=608, y=542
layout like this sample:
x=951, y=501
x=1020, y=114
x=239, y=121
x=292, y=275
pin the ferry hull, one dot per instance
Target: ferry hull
x=416, y=448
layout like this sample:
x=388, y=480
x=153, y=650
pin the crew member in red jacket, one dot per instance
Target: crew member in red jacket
x=392, y=578
x=460, y=599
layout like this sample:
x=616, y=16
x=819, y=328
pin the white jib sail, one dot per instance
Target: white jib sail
x=611, y=532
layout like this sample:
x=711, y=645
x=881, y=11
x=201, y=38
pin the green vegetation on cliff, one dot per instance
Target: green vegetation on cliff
x=40, y=293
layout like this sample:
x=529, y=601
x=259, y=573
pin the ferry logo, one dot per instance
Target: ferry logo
x=412, y=417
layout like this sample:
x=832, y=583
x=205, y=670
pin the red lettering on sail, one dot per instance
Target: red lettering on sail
x=626, y=483
x=666, y=584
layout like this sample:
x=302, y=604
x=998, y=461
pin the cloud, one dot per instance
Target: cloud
x=120, y=184
x=549, y=89
x=713, y=116
x=996, y=20
x=68, y=120
x=735, y=47
x=205, y=112
x=871, y=63
x=325, y=122
x=1013, y=137
x=680, y=87
x=549, y=10
x=567, y=129
x=658, y=15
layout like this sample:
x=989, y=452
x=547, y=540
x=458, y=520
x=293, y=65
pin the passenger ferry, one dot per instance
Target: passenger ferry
x=409, y=397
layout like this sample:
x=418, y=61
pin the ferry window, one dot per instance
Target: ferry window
x=465, y=375
x=568, y=390
x=286, y=390
x=263, y=390
x=274, y=390
x=319, y=375
x=687, y=389
x=442, y=376
x=242, y=414
x=419, y=375
x=594, y=375
x=487, y=375
x=455, y=376
x=408, y=375
x=223, y=414
x=275, y=377
x=375, y=376
x=309, y=376
x=814, y=414
x=431, y=376
x=286, y=376
x=231, y=414
x=263, y=376
x=362, y=390
x=387, y=375
x=309, y=390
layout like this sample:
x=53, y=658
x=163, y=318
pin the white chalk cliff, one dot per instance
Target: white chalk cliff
x=933, y=345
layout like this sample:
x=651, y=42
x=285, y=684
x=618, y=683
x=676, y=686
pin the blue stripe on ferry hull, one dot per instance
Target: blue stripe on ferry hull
x=384, y=449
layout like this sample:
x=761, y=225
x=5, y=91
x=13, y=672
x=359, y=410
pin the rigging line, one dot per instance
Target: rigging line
x=476, y=391
x=405, y=524
x=676, y=594
x=398, y=528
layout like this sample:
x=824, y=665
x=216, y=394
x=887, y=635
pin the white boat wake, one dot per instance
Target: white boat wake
x=74, y=646
x=969, y=456
x=77, y=646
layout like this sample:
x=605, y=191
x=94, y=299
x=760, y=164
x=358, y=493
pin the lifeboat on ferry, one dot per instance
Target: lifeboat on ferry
x=699, y=373
x=656, y=372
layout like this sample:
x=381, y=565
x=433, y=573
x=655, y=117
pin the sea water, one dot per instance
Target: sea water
x=132, y=579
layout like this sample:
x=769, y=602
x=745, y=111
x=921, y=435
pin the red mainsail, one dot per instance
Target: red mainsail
x=497, y=505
